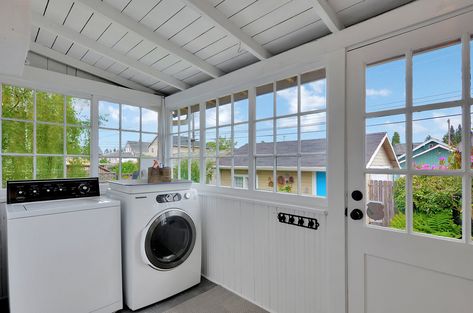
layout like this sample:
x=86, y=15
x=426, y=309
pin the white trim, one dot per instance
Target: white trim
x=385, y=138
x=119, y=18
x=328, y=15
x=211, y=13
x=439, y=144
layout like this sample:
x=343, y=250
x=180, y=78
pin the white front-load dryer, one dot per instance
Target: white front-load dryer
x=161, y=240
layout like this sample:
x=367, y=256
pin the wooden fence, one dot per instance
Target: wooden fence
x=382, y=191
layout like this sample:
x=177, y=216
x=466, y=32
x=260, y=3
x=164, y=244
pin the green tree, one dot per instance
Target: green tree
x=396, y=139
x=455, y=136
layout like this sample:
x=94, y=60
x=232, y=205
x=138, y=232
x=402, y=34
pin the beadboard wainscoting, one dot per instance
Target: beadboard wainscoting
x=279, y=267
x=3, y=252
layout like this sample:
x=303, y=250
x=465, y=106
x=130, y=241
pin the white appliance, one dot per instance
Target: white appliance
x=63, y=255
x=161, y=240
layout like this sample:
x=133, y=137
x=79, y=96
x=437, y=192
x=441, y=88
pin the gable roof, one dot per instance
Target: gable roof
x=135, y=146
x=438, y=144
x=316, y=146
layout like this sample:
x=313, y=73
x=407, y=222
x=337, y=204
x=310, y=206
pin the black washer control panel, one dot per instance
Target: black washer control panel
x=168, y=197
x=20, y=191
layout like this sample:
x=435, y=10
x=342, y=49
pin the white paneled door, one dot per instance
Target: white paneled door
x=410, y=172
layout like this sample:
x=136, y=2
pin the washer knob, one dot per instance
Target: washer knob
x=187, y=195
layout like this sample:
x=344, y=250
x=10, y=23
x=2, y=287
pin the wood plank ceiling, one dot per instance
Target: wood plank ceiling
x=171, y=45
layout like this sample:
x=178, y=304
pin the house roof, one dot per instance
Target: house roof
x=316, y=146
x=175, y=142
x=416, y=146
x=135, y=146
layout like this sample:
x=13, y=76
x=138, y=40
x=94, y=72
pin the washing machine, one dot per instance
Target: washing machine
x=161, y=239
x=64, y=247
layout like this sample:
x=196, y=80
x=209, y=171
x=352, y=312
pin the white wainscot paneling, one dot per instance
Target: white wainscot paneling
x=277, y=266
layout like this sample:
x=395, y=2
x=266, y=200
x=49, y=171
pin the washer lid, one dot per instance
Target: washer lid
x=136, y=186
x=58, y=206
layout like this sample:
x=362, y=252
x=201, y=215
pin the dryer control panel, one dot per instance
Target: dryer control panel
x=169, y=197
x=20, y=191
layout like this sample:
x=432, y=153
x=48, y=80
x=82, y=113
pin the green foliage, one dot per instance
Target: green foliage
x=224, y=144
x=195, y=170
x=455, y=136
x=396, y=138
x=128, y=168
x=440, y=224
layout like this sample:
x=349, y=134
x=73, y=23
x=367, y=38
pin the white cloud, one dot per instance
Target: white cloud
x=378, y=92
x=312, y=97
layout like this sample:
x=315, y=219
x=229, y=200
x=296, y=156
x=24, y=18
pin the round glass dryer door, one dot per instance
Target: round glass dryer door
x=170, y=239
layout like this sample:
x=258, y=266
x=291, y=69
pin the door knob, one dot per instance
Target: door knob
x=356, y=214
x=357, y=195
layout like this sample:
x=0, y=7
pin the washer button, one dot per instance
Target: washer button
x=187, y=195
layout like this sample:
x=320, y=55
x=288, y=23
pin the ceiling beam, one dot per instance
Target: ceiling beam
x=119, y=18
x=42, y=22
x=68, y=60
x=327, y=14
x=208, y=11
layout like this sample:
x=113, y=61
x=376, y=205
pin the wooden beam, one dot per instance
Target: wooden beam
x=42, y=22
x=327, y=14
x=62, y=58
x=117, y=17
x=208, y=11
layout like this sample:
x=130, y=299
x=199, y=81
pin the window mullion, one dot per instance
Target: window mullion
x=120, y=141
x=409, y=100
x=189, y=152
x=1, y=133
x=217, y=139
x=275, y=162
x=64, y=147
x=202, y=144
x=34, y=135
x=232, y=140
x=94, y=137
x=299, y=144
x=251, y=138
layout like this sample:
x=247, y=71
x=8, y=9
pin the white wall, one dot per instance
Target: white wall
x=277, y=266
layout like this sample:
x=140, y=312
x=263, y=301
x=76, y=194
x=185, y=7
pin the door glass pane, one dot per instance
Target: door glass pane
x=49, y=139
x=49, y=167
x=386, y=200
x=286, y=96
x=286, y=135
x=437, y=135
x=286, y=174
x=437, y=203
x=313, y=91
x=386, y=85
x=109, y=114
x=264, y=173
x=77, y=111
x=17, y=102
x=49, y=107
x=385, y=142
x=17, y=137
x=16, y=168
x=264, y=101
x=437, y=75
x=313, y=133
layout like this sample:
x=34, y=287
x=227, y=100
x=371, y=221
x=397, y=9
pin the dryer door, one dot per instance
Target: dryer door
x=169, y=239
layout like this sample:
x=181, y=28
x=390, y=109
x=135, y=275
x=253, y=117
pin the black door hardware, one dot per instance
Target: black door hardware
x=357, y=195
x=356, y=214
x=302, y=221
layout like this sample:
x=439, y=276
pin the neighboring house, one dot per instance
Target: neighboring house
x=432, y=152
x=153, y=146
x=379, y=154
x=133, y=149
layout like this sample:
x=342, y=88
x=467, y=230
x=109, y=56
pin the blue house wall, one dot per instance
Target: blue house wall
x=432, y=157
x=321, y=184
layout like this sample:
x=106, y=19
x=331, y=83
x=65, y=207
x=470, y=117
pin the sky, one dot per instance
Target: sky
x=436, y=78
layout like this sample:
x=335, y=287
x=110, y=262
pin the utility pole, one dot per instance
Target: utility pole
x=449, y=134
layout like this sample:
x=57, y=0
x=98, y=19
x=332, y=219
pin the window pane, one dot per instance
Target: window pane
x=195, y=170
x=240, y=164
x=131, y=146
x=313, y=182
x=210, y=171
x=149, y=120
x=130, y=117
x=176, y=145
x=77, y=111
x=183, y=121
x=149, y=146
x=130, y=168
x=184, y=169
x=210, y=114
x=49, y=139
x=437, y=137
x=211, y=141
x=77, y=167
x=440, y=213
x=286, y=174
x=224, y=110
x=225, y=142
x=109, y=114
x=313, y=133
x=386, y=200
x=16, y=168
x=388, y=133
x=109, y=143
x=437, y=75
x=264, y=101
x=108, y=169
x=78, y=140
x=386, y=86
x=264, y=137
x=174, y=122
x=240, y=139
x=49, y=167
x=49, y=107
x=286, y=96
x=225, y=168
x=17, y=102
x=17, y=137
x=286, y=135
x=313, y=91
x=195, y=119
x=240, y=107
x=264, y=173
x=195, y=143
